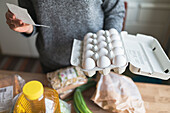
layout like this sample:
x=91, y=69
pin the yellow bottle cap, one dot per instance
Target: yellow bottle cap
x=33, y=90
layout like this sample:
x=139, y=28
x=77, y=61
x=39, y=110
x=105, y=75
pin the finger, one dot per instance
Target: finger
x=10, y=15
x=17, y=22
x=26, y=24
x=8, y=21
x=11, y=26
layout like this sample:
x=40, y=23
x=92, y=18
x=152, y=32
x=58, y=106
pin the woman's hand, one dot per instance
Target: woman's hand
x=17, y=25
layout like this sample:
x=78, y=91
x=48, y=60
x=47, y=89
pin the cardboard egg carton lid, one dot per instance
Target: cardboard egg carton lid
x=144, y=54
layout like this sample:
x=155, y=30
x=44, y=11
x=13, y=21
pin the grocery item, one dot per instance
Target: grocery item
x=10, y=86
x=65, y=107
x=100, y=52
x=143, y=53
x=79, y=102
x=35, y=99
x=66, y=93
x=119, y=94
x=65, y=79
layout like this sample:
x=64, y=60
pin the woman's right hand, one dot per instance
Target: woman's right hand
x=17, y=25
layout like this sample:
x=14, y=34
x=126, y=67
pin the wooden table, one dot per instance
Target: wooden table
x=156, y=97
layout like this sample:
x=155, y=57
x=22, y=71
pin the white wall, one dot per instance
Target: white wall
x=12, y=43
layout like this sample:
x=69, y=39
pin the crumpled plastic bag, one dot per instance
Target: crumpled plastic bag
x=118, y=93
x=65, y=107
x=10, y=86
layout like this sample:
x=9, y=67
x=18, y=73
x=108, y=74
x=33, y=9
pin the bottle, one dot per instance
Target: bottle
x=37, y=99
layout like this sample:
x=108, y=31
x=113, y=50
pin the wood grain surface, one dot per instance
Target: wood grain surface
x=156, y=97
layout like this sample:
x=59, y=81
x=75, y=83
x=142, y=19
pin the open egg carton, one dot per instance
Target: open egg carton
x=108, y=50
x=102, y=52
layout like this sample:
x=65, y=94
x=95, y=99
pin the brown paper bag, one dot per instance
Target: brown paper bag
x=118, y=93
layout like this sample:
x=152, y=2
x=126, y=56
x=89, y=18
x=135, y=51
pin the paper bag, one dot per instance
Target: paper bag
x=118, y=93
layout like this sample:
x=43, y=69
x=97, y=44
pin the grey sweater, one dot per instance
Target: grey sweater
x=68, y=20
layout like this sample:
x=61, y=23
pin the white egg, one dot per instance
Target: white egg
x=116, y=43
x=102, y=44
x=89, y=64
x=94, y=42
x=108, y=40
x=115, y=37
x=88, y=35
x=103, y=51
x=101, y=38
x=100, y=32
x=109, y=46
x=107, y=34
x=113, y=31
x=111, y=55
x=103, y=62
x=95, y=48
x=88, y=46
x=88, y=54
x=119, y=60
x=94, y=36
x=95, y=56
x=118, y=51
x=89, y=40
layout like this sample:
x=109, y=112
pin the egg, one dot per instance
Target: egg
x=119, y=60
x=102, y=44
x=101, y=38
x=113, y=31
x=95, y=48
x=90, y=73
x=95, y=56
x=88, y=54
x=103, y=62
x=89, y=40
x=111, y=54
x=100, y=32
x=116, y=43
x=94, y=36
x=115, y=37
x=94, y=42
x=88, y=46
x=88, y=35
x=103, y=51
x=89, y=64
x=108, y=40
x=107, y=34
x=118, y=51
x=109, y=46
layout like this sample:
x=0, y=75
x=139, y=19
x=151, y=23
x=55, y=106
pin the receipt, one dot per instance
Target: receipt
x=22, y=14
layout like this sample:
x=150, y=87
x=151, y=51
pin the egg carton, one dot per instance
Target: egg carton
x=108, y=50
x=102, y=52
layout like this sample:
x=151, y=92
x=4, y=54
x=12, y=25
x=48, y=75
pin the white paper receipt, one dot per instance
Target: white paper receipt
x=22, y=14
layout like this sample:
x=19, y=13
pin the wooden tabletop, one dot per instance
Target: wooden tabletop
x=156, y=97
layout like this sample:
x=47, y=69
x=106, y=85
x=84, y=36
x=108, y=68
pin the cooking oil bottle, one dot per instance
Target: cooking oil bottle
x=37, y=99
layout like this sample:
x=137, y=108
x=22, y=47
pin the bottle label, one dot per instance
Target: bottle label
x=6, y=95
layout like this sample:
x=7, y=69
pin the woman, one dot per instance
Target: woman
x=68, y=20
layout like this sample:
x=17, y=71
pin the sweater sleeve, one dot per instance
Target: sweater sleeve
x=27, y=4
x=114, y=12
